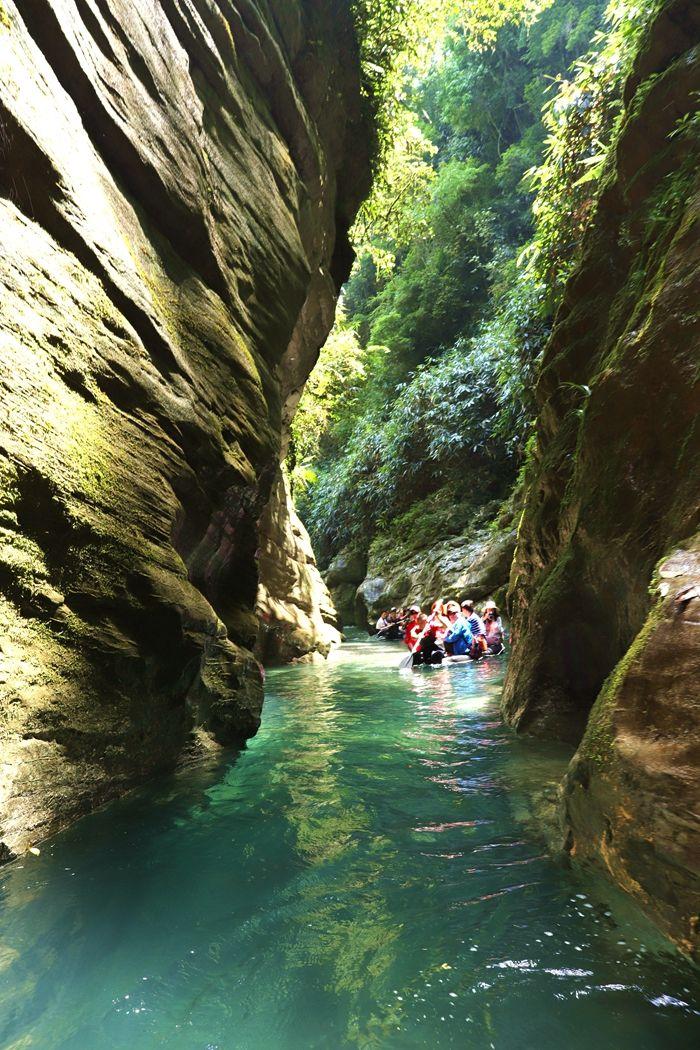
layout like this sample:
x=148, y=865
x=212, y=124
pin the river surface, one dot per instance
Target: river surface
x=364, y=874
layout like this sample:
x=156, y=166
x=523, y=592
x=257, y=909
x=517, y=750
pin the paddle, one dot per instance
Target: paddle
x=408, y=660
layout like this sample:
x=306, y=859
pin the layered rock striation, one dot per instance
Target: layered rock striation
x=177, y=178
x=614, y=494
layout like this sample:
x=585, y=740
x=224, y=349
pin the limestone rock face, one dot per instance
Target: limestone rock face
x=614, y=489
x=343, y=576
x=347, y=567
x=475, y=566
x=297, y=617
x=176, y=186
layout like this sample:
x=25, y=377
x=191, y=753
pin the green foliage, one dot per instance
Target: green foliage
x=443, y=277
x=462, y=420
x=332, y=389
x=396, y=34
x=481, y=111
x=448, y=325
x=395, y=213
x=580, y=119
x=441, y=514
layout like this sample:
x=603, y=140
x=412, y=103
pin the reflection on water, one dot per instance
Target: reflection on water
x=362, y=875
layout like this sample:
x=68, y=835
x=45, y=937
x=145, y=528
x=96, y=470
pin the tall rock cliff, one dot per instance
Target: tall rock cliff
x=177, y=178
x=298, y=620
x=606, y=578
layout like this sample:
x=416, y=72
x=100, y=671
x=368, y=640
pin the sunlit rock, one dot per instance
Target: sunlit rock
x=177, y=185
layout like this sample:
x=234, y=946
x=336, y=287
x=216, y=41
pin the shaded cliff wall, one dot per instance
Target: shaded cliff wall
x=614, y=489
x=177, y=180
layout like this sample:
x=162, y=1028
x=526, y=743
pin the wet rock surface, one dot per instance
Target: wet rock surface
x=631, y=792
x=613, y=490
x=176, y=188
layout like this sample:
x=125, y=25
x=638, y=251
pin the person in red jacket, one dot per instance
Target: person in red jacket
x=413, y=626
x=432, y=646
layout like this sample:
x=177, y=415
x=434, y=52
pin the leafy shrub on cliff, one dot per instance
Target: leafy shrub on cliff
x=462, y=418
x=330, y=392
x=580, y=119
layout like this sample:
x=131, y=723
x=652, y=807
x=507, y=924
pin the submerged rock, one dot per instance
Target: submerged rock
x=614, y=486
x=177, y=185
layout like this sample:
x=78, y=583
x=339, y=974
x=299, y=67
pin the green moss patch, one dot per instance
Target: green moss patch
x=599, y=739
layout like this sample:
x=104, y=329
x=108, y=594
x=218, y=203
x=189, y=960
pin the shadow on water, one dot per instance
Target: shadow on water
x=366, y=873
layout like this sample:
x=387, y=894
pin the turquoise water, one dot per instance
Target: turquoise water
x=361, y=875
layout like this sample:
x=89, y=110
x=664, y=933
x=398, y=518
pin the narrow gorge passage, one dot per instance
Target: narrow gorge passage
x=363, y=874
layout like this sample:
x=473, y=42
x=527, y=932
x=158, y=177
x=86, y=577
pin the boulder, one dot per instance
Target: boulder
x=347, y=567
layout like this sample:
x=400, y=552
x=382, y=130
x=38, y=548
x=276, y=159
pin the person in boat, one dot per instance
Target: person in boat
x=494, y=629
x=387, y=626
x=438, y=613
x=476, y=626
x=402, y=618
x=414, y=633
x=393, y=631
x=431, y=648
x=412, y=626
x=459, y=639
x=491, y=605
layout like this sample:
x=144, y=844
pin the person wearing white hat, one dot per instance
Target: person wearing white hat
x=494, y=629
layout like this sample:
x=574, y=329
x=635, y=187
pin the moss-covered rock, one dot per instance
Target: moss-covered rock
x=614, y=484
x=176, y=189
x=631, y=792
x=422, y=557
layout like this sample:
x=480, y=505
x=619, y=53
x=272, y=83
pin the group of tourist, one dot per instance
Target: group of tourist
x=391, y=623
x=449, y=629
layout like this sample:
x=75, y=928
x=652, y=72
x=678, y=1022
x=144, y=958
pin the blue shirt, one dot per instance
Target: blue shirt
x=460, y=637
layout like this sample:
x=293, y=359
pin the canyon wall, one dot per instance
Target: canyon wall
x=605, y=585
x=472, y=565
x=177, y=178
x=298, y=620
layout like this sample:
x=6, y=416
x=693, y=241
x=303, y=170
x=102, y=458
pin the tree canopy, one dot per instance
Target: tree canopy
x=496, y=119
